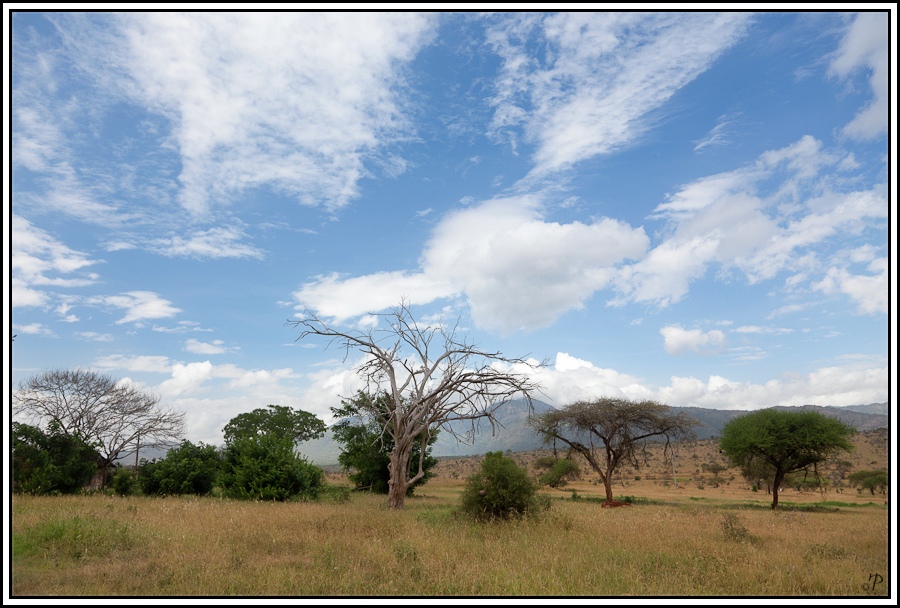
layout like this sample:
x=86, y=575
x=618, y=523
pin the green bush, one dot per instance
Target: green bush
x=123, y=482
x=559, y=472
x=50, y=462
x=187, y=469
x=267, y=468
x=500, y=490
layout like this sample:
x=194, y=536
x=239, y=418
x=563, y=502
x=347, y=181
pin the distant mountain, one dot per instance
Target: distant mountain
x=872, y=408
x=511, y=433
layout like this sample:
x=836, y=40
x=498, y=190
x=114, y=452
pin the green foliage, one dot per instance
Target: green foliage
x=123, y=482
x=275, y=420
x=187, y=469
x=559, y=472
x=500, y=490
x=869, y=480
x=267, y=468
x=366, y=450
x=778, y=442
x=50, y=463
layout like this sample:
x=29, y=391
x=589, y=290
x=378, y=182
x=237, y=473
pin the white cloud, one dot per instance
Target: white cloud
x=861, y=381
x=157, y=364
x=37, y=260
x=515, y=269
x=299, y=101
x=865, y=47
x=205, y=348
x=762, y=219
x=602, y=74
x=717, y=136
x=678, y=340
x=93, y=336
x=869, y=291
x=139, y=305
x=220, y=242
x=756, y=329
x=32, y=328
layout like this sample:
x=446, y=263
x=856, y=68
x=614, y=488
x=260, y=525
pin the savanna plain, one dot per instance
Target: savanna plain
x=698, y=539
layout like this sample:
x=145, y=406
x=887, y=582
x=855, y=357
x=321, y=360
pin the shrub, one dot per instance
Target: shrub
x=187, y=469
x=559, y=472
x=267, y=468
x=123, y=482
x=500, y=490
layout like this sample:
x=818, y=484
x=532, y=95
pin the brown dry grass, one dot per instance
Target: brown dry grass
x=138, y=546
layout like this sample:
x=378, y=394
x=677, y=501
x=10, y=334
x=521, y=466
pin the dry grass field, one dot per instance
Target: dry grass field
x=671, y=542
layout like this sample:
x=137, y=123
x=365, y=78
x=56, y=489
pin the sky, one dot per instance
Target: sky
x=686, y=207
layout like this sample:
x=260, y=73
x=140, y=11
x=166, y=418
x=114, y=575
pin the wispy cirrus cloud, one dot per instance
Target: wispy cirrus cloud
x=600, y=79
x=139, y=306
x=865, y=47
x=303, y=116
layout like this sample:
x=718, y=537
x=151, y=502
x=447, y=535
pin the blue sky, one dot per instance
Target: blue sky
x=689, y=207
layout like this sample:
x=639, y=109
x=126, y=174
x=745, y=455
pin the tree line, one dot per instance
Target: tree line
x=421, y=379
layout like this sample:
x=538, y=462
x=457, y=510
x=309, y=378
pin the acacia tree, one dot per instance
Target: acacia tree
x=431, y=376
x=784, y=442
x=609, y=432
x=113, y=416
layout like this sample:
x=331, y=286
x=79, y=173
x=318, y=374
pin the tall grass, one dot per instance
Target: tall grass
x=96, y=545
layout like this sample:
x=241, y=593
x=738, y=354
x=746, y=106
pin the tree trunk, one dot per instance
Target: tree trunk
x=399, y=467
x=779, y=477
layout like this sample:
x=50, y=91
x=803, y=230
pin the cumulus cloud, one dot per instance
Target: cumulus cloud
x=865, y=47
x=601, y=76
x=869, y=291
x=678, y=340
x=768, y=217
x=515, y=269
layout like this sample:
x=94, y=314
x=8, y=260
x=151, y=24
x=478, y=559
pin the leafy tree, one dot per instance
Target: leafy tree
x=784, y=442
x=500, y=490
x=260, y=459
x=50, y=463
x=366, y=451
x=114, y=417
x=609, y=432
x=187, y=469
x=268, y=468
x=869, y=480
x=275, y=420
x=433, y=378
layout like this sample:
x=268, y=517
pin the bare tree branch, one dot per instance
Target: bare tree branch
x=433, y=378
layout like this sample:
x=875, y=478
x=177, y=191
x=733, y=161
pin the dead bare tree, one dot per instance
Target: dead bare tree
x=112, y=416
x=432, y=378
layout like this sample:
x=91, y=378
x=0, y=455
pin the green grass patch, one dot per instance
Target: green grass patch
x=75, y=538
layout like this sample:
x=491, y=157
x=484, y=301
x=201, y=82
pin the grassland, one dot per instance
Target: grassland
x=669, y=543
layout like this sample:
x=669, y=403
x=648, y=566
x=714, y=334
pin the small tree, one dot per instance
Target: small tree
x=113, y=416
x=366, y=451
x=260, y=460
x=784, y=442
x=609, y=432
x=870, y=480
x=432, y=378
x=500, y=490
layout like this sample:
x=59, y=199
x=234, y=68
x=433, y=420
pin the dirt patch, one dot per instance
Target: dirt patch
x=612, y=504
